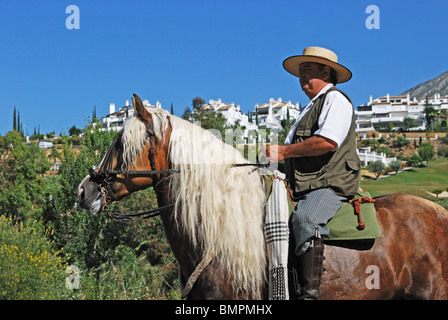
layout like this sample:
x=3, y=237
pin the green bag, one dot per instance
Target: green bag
x=344, y=224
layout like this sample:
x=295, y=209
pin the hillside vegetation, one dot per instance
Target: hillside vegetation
x=44, y=235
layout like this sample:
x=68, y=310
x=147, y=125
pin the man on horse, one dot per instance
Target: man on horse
x=321, y=162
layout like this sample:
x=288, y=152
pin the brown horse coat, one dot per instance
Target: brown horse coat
x=408, y=261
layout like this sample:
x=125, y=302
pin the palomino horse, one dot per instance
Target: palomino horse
x=213, y=218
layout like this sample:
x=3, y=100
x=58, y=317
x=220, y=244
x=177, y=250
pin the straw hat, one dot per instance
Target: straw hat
x=318, y=55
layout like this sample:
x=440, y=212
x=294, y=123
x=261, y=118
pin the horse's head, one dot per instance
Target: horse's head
x=129, y=164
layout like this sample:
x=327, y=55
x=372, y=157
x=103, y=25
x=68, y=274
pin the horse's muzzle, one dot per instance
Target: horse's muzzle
x=89, y=195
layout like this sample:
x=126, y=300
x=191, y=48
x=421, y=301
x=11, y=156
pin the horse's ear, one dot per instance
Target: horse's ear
x=143, y=114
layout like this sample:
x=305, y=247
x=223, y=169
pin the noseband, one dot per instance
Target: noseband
x=104, y=178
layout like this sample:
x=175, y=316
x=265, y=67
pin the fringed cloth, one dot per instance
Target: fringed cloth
x=276, y=233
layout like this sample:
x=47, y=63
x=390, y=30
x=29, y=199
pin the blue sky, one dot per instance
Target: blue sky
x=173, y=50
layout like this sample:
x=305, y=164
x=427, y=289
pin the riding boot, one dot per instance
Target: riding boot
x=310, y=269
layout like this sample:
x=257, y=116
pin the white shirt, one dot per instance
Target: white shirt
x=334, y=120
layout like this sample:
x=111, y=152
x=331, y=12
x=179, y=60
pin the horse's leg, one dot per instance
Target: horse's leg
x=213, y=284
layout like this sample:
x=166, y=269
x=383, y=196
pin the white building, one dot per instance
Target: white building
x=115, y=119
x=45, y=145
x=383, y=111
x=232, y=113
x=366, y=156
x=272, y=113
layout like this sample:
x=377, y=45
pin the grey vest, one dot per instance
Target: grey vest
x=339, y=170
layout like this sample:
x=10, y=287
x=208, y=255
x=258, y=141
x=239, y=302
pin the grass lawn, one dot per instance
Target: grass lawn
x=415, y=181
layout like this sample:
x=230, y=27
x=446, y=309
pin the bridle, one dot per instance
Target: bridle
x=105, y=176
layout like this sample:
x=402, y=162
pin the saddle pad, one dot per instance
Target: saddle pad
x=343, y=226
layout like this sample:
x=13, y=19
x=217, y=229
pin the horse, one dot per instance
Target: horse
x=213, y=215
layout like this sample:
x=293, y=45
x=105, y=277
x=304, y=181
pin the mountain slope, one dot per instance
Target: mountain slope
x=428, y=88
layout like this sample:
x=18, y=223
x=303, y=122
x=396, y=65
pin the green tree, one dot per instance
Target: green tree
x=19, y=125
x=414, y=160
x=94, y=117
x=409, y=123
x=286, y=125
x=377, y=167
x=256, y=116
x=74, y=131
x=187, y=114
x=390, y=126
x=208, y=119
x=430, y=114
x=21, y=177
x=444, y=116
x=400, y=142
x=437, y=192
x=395, y=166
x=385, y=150
x=426, y=152
x=14, y=122
x=198, y=102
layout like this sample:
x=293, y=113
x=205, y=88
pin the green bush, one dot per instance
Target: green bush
x=126, y=276
x=400, y=142
x=21, y=169
x=30, y=266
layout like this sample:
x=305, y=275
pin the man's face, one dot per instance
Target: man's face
x=311, y=78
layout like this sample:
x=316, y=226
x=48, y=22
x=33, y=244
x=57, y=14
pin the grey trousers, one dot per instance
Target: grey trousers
x=311, y=215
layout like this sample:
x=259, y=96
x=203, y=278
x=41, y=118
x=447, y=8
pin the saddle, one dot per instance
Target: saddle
x=355, y=220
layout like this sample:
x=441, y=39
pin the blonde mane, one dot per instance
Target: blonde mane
x=134, y=134
x=220, y=207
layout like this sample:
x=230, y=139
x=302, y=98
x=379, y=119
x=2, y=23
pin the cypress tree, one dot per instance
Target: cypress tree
x=14, y=124
x=256, y=116
x=18, y=122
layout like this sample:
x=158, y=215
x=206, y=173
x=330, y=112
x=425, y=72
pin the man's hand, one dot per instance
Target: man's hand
x=275, y=153
x=314, y=146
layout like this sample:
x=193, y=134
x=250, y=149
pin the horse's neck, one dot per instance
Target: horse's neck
x=179, y=242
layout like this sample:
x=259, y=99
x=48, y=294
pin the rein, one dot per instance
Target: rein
x=127, y=217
